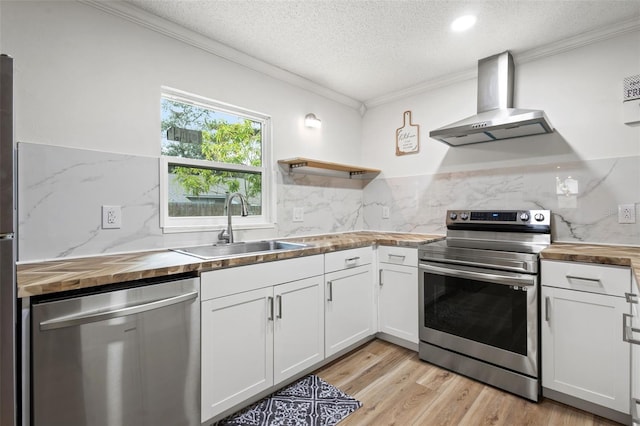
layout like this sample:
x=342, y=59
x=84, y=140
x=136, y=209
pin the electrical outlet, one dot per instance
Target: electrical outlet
x=385, y=212
x=298, y=214
x=627, y=213
x=111, y=217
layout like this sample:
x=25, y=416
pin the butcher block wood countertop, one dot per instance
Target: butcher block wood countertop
x=54, y=276
x=595, y=253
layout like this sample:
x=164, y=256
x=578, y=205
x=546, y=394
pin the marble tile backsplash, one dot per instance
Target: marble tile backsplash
x=60, y=194
x=583, y=197
x=329, y=204
x=61, y=190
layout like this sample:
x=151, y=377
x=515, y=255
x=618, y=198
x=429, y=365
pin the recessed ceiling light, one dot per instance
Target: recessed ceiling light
x=463, y=23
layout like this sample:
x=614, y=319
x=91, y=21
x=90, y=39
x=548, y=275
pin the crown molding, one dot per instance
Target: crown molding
x=175, y=31
x=168, y=28
x=426, y=86
x=570, y=43
x=590, y=37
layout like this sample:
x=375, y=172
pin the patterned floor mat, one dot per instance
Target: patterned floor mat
x=309, y=401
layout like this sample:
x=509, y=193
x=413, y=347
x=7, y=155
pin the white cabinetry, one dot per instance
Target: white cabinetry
x=237, y=350
x=349, y=305
x=261, y=324
x=632, y=334
x=298, y=327
x=585, y=363
x=398, y=292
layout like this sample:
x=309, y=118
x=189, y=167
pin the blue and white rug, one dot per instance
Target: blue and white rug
x=309, y=401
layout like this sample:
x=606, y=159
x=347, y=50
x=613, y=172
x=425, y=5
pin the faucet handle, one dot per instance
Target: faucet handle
x=223, y=235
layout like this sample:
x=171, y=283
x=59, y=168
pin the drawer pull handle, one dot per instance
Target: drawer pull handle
x=575, y=277
x=627, y=330
x=380, y=277
x=352, y=260
x=631, y=298
x=547, y=308
x=399, y=256
x=330, y=288
x=270, y=302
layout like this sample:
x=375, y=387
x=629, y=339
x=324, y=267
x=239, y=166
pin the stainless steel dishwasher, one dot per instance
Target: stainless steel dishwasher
x=129, y=356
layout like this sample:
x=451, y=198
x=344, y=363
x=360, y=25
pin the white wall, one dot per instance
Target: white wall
x=580, y=90
x=87, y=79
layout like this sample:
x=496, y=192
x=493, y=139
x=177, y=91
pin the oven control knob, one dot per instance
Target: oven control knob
x=539, y=217
x=524, y=216
x=464, y=216
x=453, y=216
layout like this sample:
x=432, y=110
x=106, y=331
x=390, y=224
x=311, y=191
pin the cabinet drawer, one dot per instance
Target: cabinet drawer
x=224, y=282
x=398, y=255
x=345, y=259
x=603, y=279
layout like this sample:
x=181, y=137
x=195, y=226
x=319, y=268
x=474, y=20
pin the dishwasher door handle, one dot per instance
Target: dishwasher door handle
x=88, y=317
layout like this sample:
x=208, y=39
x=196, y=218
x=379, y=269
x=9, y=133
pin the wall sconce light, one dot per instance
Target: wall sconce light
x=310, y=120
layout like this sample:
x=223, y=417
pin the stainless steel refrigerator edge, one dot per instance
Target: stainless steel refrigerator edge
x=8, y=301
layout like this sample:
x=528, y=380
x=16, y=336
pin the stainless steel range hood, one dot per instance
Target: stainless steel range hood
x=496, y=117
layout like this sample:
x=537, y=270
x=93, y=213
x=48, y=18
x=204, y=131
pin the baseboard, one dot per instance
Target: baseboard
x=398, y=341
x=590, y=407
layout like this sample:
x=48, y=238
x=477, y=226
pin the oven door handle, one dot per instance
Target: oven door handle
x=516, y=279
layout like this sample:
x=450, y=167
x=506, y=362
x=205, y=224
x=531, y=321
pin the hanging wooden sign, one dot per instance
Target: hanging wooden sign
x=407, y=136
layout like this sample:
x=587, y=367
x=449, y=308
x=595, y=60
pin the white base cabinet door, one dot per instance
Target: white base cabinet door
x=635, y=372
x=298, y=327
x=349, y=307
x=583, y=354
x=633, y=336
x=398, y=301
x=260, y=324
x=237, y=349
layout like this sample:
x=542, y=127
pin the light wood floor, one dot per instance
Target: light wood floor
x=397, y=388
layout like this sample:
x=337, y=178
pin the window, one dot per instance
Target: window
x=210, y=150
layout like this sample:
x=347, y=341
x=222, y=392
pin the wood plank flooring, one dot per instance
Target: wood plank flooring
x=397, y=388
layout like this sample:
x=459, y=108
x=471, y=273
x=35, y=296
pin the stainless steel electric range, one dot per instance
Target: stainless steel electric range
x=479, y=297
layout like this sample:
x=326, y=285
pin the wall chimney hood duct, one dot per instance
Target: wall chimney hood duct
x=496, y=117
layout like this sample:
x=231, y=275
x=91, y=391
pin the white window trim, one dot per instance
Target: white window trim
x=211, y=223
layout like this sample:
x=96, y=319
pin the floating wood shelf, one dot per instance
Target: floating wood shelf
x=307, y=165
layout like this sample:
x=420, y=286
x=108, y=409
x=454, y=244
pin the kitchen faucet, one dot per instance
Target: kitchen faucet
x=227, y=234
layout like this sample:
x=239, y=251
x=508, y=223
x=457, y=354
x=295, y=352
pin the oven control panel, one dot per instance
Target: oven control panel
x=499, y=217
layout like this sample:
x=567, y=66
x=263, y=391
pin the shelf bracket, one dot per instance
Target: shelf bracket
x=298, y=165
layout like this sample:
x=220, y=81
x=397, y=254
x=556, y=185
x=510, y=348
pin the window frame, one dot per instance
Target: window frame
x=171, y=224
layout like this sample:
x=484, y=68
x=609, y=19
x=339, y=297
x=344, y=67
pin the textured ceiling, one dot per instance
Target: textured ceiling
x=368, y=49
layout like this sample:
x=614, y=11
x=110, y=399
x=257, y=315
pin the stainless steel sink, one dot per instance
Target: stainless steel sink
x=233, y=249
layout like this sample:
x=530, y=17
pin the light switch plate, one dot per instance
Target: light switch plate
x=385, y=212
x=298, y=214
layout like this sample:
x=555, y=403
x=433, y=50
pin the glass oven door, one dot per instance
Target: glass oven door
x=486, y=314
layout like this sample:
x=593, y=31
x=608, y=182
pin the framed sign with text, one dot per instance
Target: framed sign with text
x=407, y=136
x=631, y=88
